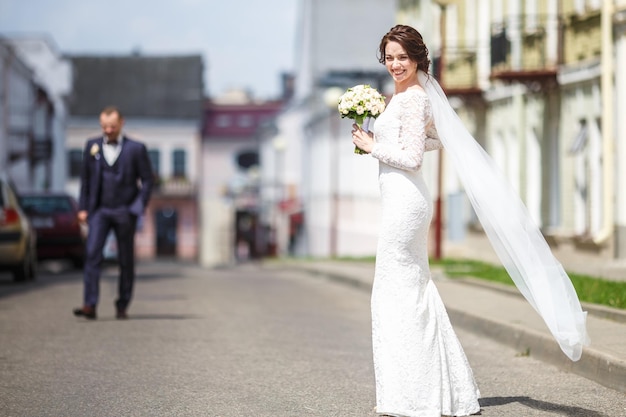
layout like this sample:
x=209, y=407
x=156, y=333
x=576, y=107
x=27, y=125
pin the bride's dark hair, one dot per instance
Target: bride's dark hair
x=412, y=42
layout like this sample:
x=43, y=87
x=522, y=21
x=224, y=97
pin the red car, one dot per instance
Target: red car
x=54, y=218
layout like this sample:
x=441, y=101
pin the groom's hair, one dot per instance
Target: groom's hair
x=112, y=109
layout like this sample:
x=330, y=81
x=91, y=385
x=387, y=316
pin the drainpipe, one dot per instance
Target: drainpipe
x=606, y=80
x=5, y=65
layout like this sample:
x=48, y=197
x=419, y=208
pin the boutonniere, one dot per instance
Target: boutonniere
x=94, y=151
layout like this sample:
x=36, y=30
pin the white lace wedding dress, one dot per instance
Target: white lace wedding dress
x=421, y=369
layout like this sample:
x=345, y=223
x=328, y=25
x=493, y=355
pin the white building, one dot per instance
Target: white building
x=53, y=73
x=27, y=115
x=312, y=153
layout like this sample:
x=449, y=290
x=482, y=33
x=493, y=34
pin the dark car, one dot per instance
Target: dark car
x=17, y=237
x=54, y=218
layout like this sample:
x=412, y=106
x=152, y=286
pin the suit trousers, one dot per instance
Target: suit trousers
x=123, y=225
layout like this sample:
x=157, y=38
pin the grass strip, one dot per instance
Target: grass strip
x=589, y=289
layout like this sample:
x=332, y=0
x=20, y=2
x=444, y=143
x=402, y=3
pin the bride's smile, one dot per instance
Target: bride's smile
x=400, y=66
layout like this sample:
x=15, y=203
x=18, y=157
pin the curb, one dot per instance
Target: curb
x=594, y=365
x=596, y=310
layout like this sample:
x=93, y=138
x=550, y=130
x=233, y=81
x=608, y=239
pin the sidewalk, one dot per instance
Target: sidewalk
x=477, y=246
x=501, y=313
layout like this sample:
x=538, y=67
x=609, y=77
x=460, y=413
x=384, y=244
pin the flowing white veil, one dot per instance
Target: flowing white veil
x=515, y=238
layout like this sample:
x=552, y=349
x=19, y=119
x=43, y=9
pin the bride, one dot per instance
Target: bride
x=420, y=367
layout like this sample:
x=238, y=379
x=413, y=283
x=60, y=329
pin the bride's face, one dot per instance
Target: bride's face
x=398, y=63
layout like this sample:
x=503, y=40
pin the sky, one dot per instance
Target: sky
x=245, y=44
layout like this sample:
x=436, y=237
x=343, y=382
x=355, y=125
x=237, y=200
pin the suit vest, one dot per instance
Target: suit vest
x=110, y=185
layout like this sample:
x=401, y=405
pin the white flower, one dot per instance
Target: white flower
x=359, y=103
x=94, y=149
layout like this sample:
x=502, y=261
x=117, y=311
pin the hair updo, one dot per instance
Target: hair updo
x=412, y=42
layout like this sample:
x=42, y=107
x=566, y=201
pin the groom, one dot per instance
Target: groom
x=116, y=181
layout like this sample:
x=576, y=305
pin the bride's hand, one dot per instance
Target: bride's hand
x=362, y=139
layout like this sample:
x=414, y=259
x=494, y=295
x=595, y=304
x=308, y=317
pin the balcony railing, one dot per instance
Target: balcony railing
x=526, y=48
x=582, y=38
x=460, y=72
x=174, y=187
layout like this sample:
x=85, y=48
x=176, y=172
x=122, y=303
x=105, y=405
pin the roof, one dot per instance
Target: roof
x=168, y=87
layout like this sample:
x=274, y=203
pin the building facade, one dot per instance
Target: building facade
x=232, y=215
x=161, y=98
x=537, y=83
x=52, y=73
x=311, y=153
x=619, y=20
x=28, y=117
x=547, y=76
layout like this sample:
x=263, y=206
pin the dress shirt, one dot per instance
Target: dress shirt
x=112, y=150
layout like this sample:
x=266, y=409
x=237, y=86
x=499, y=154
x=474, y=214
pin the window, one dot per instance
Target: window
x=75, y=162
x=500, y=47
x=247, y=159
x=178, y=163
x=154, y=156
x=223, y=120
x=580, y=140
x=245, y=120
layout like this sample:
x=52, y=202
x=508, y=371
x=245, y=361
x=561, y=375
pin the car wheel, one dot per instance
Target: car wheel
x=26, y=270
x=79, y=263
x=32, y=269
x=21, y=271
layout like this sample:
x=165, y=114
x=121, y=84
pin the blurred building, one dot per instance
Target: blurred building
x=230, y=207
x=619, y=74
x=327, y=203
x=540, y=85
x=33, y=80
x=161, y=98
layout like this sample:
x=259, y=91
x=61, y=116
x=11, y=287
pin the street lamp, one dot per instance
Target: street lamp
x=331, y=99
x=443, y=4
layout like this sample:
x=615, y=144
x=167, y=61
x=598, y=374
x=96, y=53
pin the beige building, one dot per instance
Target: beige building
x=619, y=28
x=536, y=83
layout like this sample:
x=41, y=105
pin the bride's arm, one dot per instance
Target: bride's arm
x=408, y=152
x=433, y=142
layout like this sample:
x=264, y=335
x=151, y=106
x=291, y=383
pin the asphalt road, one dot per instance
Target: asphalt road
x=243, y=341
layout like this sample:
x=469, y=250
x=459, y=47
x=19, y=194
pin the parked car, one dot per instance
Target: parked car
x=17, y=237
x=54, y=218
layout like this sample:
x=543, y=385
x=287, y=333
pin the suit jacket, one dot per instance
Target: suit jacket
x=134, y=165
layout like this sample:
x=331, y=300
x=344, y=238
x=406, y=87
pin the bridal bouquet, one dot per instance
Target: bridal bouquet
x=361, y=103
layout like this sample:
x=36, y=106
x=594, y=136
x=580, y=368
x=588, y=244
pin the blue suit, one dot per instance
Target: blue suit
x=114, y=196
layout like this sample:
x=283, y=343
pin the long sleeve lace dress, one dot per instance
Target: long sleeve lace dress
x=420, y=367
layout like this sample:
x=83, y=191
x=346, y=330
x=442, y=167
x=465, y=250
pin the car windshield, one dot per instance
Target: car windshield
x=46, y=205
